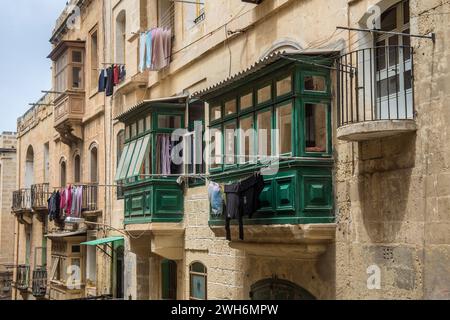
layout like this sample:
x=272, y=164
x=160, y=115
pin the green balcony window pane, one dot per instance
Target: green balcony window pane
x=284, y=86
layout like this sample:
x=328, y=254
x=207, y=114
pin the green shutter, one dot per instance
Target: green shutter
x=122, y=161
x=141, y=156
x=127, y=161
x=134, y=159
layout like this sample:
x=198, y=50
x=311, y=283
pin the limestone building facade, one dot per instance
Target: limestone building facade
x=8, y=145
x=355, y=92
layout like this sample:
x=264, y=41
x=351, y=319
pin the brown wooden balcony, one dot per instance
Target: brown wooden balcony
x=22, y=277
x=39, y=282
x=69, y=112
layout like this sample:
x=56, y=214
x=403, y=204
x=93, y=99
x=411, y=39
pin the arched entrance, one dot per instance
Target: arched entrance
x=278, y=289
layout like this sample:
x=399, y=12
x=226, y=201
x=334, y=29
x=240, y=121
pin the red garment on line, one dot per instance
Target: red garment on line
x=69, y=200
x=116, y=75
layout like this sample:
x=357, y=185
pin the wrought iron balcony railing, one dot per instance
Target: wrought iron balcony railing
x=39, y=196
x=22, y=277
x=21, y=200
x=375, y=84
x=39, y=287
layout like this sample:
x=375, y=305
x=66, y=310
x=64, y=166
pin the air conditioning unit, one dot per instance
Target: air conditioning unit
x=253, y=1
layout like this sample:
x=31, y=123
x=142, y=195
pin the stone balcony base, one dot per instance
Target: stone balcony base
x=370, y=130
x=166, y=239
x=295, y=241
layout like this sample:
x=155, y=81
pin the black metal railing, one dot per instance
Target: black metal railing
x=90, y=197
x=39, y=285
x=375, y=84
x=21, y=200
x=39, y=195
x=22, y=277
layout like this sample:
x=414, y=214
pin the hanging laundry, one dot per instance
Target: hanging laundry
x=102, y=81
x=215, y=198
x=242, y=199
x=155, y=49
x=54, y=206
x=116, y=74
x=148, y=49
x=122, y=74
x=142, y=51
x=233, y=209
x=74, y=202
x=69, y=201
x=79, y=202
x=109, y=82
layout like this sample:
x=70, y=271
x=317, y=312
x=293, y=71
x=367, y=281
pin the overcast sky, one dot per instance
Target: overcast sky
x=25, y=28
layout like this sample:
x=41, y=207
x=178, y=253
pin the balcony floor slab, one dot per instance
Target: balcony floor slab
x=370, y=130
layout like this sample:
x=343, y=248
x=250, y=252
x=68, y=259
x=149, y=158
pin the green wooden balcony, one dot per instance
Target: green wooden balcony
x=296, y=195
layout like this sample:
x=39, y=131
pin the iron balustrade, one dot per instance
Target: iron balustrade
x=39, y=195
x=22, y=277
x=21, y=200
x=39, y=283
x=375, y=84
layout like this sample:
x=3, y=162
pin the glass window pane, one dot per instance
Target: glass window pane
x=126, y=165
x=315, y=83
x=198, y=287
x=389, y=20
x=77, y=57
x=142, y=153
x=133, y=130
x=388, y=86
x=216, y=113
x=284, y=86
x=246, y=140
x=407, y=45
x=381, y=55
x=284, y=125
x=247, y=101
x=135, y=157
x=141, y=126
x=265, y=94
x=264, y=127
x=230, y=107
x=198, y=267
x=76, y=77
x=169, y=121
x=230, y=154
x=408, y=80
x=316, y=127
x=393, y=53
x=127, y=132
x=406, y=12
x=148, y=123
x=216, y=147
x=122, y=162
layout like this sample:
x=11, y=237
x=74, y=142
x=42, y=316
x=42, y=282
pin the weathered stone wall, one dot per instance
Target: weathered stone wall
x=7, y=186
x=392, y=193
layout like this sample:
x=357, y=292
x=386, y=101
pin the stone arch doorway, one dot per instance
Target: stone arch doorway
x=278, y=289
